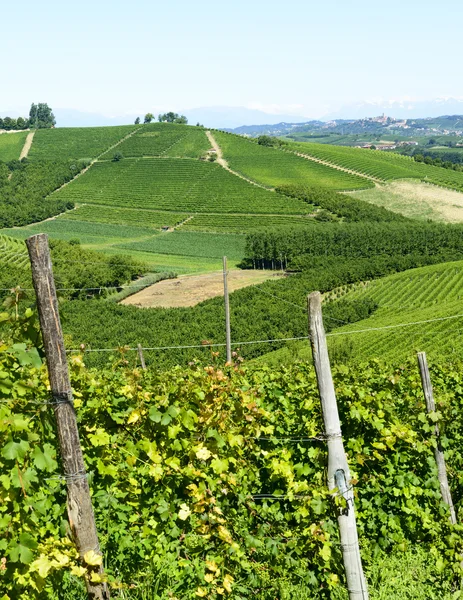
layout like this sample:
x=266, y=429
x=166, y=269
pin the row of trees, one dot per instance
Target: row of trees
x=169, y=117
x=40, y=117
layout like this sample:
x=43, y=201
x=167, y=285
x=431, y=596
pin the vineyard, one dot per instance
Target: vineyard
x=125, y=216
x=274, y=167
x=381, y=165
x=177, y=185
x=76, y=142
x=240, y=223
x=13, y=252
x=11, y=145
x=164, y=139
x=205, y=245
x=211, y=482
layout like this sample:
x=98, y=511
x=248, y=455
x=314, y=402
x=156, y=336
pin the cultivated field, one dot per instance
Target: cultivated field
x=381, y=165
x=274, y=167
x=189, y=290
x=76, y=142
x=164, y=139
x=11, y=145
x=416, y=200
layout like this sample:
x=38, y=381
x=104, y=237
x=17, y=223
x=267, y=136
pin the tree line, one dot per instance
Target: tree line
x=40, y=117
x=169, y=117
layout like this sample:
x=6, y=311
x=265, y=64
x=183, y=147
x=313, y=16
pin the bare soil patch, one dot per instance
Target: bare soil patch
x=417, y=200
x=189, y=290
x=27, y=145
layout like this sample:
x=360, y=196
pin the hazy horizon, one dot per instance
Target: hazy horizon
x=310, y=59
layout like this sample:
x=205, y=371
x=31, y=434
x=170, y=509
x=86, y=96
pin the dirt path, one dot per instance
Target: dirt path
x=189, y=290
x=223, y=163
x=27, y=145
x=334, y=166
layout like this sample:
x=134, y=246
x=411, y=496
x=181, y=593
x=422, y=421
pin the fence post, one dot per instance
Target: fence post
x=227, y=309
x=141, y=357
x=338, y=469
x=79, y=503
x=438, y=452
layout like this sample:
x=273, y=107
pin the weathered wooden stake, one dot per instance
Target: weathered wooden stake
x=438, y=452
x=141, y=357
x=338, y=469
x=227, y=309
x=79, y=504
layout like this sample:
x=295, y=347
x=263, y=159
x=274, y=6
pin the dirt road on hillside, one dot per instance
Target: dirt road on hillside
x=223, y=163
x=189, y=290
x=27, y=145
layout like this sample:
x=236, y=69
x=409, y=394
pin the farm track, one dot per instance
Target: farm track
x=27, y=145
x=339, y=168
x=96, y=159
x=223, y=163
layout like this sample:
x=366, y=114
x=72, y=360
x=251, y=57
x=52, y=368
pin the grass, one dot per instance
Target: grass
x=76, y=142
x=11, y=145
x=409, y=575
x=416, y=200
x=274, y=167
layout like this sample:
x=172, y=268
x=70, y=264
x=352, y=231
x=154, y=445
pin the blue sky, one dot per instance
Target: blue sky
x=302, y=57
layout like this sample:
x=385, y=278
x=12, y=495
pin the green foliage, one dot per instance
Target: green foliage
x=189, y=243
x=176, y=460
x=76, y=142
x=276, y=167
x=11, y=145
x=381, y=165
x=165, y=139
x=349, y=208
x=355, y=240
x=172, y=117
x=245, y=223
x=177, y=185
x=24, y=198
x=42, y=117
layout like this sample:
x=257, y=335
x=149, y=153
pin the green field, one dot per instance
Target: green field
x=396, y=331
x=274, y=167
x=124, y=216
x=76, y=142
x=247, y=223
x=11, y=145
x=385, y=166
x=13, y=252
x=189, y=243
x=177, y=185
x=164, y=139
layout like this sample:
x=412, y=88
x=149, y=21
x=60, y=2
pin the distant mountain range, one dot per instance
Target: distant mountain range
x=233, y=117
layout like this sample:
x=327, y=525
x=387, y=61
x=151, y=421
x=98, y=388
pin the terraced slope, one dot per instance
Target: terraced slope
x=274, y=167
x=11, y=145
x=177, y=185
x=385, y=166
x=13, y=252
x=76, y=142
x=164, y=139
x=419, y=309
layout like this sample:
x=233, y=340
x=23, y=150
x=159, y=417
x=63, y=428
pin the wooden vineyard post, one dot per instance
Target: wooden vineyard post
x=141, y=357
x=79, y=504
x=227, y=309
x=338, y=470
x=438, y=452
